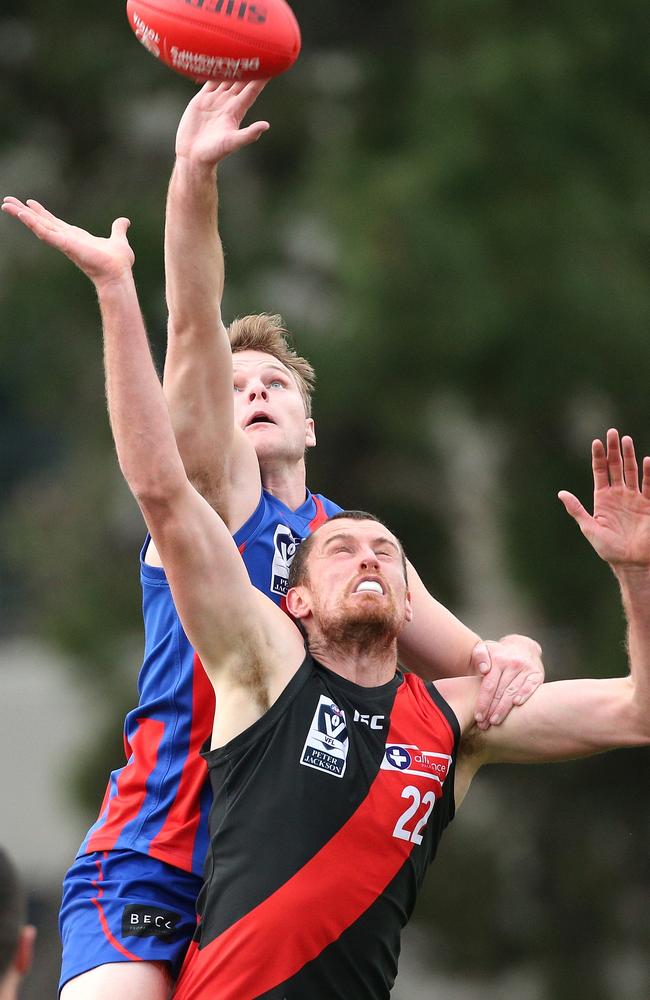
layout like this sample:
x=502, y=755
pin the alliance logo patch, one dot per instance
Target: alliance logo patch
x=285, y=544
x=326, y=746
x=409, y=759
x=149, y=921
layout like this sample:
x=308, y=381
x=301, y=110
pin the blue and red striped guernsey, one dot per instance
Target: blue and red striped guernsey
x=344, y=793
x=158, y=802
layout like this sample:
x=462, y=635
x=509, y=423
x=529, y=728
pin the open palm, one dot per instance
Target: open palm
x=210, y=128
x=101, y=258
x=619, y=529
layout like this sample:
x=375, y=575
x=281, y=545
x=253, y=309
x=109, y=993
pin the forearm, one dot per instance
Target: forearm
x=139, y=417
x=566, y=720
x=435, y=644
x=634, y=584
x=198, y=365
x=194, y=265
x=443, y=651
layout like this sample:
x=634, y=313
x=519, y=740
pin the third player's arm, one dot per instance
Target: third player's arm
x=575, y=718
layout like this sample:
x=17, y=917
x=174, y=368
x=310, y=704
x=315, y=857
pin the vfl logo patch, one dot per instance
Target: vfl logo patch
x=285, y=544
x=148, y=921
x=326, y=746
x=409, y=759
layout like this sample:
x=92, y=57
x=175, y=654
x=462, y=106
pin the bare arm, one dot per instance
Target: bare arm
x=219, y=461
x=228, y=621
x=580, y=717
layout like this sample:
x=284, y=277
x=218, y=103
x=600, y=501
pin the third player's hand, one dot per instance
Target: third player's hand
x=619, y=529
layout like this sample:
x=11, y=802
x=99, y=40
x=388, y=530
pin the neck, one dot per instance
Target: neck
x=285, y=481
x=367, y=666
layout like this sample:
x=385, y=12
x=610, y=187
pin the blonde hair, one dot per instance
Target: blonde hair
x=269, y=335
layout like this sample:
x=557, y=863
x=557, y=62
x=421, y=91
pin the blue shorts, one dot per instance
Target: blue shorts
x=120, y=906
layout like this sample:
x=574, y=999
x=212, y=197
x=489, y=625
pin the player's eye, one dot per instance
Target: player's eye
x=276, y=384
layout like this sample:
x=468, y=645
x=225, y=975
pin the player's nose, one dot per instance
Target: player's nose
x=257, y=390
x=369, y=560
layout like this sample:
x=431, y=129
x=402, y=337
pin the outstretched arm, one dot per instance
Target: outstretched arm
x=218, y=459
x=580, y=717
x=226, y=619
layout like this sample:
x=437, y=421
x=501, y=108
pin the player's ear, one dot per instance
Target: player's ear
x=310, y=433
x=297, y=603
x=408, y=608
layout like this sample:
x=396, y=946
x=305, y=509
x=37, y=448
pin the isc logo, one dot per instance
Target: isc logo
x=252, y=12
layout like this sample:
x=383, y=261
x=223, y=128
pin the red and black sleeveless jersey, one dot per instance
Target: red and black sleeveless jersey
x=326, y=814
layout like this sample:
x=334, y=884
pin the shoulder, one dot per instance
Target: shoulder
x=460, y=693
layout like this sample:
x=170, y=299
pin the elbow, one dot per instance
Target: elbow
x=155, y=488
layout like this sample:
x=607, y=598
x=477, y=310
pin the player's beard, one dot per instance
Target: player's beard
x=376, y=625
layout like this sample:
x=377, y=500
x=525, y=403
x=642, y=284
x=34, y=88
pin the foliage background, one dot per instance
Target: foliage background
x=451, y=210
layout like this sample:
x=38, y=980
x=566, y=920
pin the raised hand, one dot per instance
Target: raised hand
x=102, y=259
x=210, y=128
x=619, y=529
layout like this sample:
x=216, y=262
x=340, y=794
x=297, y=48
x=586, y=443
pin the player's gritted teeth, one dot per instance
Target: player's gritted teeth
x=369, y=585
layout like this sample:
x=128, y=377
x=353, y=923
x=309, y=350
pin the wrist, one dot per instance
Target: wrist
x=192, y=169
x=114, y=282
x=634, y=581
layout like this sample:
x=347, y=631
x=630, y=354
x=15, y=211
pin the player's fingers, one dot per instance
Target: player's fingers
x=499, y=710
x=574, y=508
x=252, y=132
x=486, y=696
x=480, y=660
x=614, y=458
x=513, y=683
x=12, y=206
x=10, y=200
x=645, y=488
x=528, y=686
x=41, y=210
x=508, y=685
x=253, y=89
x=630, y=467
x=599, y=465
x=247, y=96
x=32, y=209
x=120, y=226
x=53, y=237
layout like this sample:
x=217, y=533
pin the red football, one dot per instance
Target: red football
x=218, y=39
